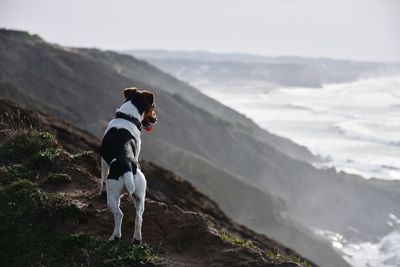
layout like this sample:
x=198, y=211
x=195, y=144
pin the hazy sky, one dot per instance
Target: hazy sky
x=352, y=29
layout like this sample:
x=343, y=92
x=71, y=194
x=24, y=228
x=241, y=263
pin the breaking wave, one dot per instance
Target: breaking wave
x=354, y=125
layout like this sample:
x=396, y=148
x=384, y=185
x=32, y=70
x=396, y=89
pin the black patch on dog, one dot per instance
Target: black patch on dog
x=120, y=166
x=119, y=144
x=139, y=101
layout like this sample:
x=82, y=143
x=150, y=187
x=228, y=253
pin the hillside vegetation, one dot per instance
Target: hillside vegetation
x=53, y=216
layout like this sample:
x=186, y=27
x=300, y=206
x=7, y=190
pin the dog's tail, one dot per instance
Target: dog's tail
x=123, y=168
x=129, y=183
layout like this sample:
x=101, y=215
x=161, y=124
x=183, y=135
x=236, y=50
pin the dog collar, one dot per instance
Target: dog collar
x=120, y=115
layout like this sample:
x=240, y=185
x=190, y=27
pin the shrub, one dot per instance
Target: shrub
x=24, y=144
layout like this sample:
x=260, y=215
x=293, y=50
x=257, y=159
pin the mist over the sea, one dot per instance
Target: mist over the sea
x=353, y=126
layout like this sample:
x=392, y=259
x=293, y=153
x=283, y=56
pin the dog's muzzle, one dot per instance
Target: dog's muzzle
x=148, y=123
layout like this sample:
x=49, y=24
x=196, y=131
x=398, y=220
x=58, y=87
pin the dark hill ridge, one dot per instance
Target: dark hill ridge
x=184, y=227
x=224, y=69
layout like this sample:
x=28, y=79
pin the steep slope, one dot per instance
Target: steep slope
x=214, y=147
x=249, y=212
x=184, y=227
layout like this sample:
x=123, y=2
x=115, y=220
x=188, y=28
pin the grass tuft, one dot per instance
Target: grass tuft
x=236, y=240
x=276, y=257
x=83, y=156
x=46, y=159
x=93, y=251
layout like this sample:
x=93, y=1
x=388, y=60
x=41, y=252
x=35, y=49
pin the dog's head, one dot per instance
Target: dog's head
x=145, y=103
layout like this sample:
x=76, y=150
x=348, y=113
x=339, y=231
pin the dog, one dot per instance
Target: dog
x=120, y=149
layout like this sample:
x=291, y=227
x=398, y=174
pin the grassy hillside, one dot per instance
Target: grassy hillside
x=53, y=216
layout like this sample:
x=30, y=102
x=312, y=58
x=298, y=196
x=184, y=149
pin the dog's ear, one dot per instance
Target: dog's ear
x=129, y=91
x=149, y=97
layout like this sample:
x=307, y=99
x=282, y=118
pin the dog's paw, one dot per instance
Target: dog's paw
x=136, y=242
x=114, y=239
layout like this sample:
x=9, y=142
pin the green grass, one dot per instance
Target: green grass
x=9, y=173
x=26, y=214
x=33, y=222
x=93, y=251
x=37, y=150
x=25, y=144
x=29, y=217
x=276, y=257
x=236, y=240
x=50, y=155
x=272, y=255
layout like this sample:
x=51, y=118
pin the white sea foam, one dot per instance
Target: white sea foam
x=355, y=125
x=384, y=253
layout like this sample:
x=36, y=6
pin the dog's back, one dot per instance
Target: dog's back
x=119, y=145
x=118, y=149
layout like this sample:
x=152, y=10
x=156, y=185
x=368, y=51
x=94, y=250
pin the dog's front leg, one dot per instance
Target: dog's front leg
x=104, y=173
x=140, y=195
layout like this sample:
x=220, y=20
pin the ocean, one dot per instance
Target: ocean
x=353, y=127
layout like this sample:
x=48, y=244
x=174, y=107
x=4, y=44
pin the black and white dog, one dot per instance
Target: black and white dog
x=120, y=150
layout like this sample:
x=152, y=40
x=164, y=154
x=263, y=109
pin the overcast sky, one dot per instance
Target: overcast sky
x=351, y=29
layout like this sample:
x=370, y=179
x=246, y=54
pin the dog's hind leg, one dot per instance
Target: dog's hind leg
x=104, y=173
x=140, y=195
x=114, y=189
x=129, y=183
